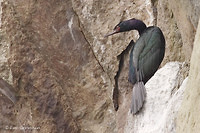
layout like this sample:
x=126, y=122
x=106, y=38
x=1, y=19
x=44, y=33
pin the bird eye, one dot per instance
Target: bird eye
x=117, y=28
x=117, y=25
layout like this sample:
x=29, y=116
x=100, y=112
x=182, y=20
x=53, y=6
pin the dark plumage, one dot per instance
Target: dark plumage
x=145, y=57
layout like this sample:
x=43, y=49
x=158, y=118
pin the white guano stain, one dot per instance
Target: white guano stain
x=70, y=23
x=104, y=79
x=149, y=10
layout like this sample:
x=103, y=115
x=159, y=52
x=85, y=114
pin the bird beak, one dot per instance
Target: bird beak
x=109, y=34
x=116, y=30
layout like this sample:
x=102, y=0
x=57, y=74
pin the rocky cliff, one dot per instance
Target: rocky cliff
x=62, y=75
x=188, y=118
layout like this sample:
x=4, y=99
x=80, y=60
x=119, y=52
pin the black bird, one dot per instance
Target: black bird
x=145, y=57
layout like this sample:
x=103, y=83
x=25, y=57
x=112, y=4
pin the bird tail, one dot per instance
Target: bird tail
x=138, y=97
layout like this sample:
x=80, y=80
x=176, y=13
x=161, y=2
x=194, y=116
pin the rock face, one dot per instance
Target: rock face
x=97, y=18
x=55, y=73
x=164, y=96
x=66, y=76
x=188, y=118
x=178, y=19
x=162, y=102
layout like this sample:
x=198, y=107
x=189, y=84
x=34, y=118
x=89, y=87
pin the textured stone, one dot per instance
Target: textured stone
x=54, y=70
x=97, y=18
x=178, y=19
x=163, y=101
x=65, y=72
x=188, y=119
x=164, y=96
x=168, y=24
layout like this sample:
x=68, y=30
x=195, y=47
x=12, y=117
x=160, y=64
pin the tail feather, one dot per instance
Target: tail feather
x=138, y=97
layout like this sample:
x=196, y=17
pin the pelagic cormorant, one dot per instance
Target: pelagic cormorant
x=145, y=57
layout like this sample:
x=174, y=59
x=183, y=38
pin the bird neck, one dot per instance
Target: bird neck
x=138, y=25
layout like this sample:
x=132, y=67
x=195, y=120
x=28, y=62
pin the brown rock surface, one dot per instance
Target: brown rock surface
x=55, y=73
x=63, y=70
x=178, y=19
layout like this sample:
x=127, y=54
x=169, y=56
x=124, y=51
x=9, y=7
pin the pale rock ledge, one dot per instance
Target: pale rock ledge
x=162, y=102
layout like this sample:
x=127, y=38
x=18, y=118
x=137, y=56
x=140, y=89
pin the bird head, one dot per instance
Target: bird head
x=120, y=27
x=128, y=25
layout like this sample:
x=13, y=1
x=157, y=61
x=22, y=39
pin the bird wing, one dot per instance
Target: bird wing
x=131, y=74
x=152, y=55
